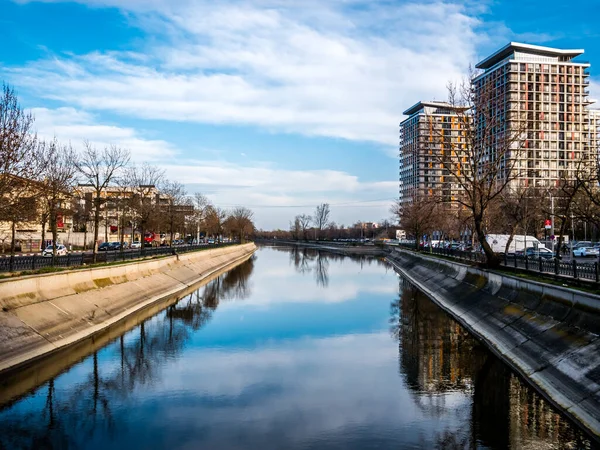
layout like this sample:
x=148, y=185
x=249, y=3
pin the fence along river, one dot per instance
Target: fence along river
x=297, y=349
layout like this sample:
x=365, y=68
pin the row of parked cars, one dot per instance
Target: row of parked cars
x=61, y=250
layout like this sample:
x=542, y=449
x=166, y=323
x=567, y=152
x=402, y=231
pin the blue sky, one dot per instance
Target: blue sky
x=275, y=104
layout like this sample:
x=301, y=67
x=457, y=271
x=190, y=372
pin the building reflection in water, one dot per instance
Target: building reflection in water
x=69, y=417
x=437, y=358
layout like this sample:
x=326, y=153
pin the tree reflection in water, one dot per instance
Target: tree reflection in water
x=71, y=416
x=437, y=357
x=310, y=260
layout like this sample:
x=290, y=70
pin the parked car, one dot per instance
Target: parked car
x=585, y=251
x=539, y=252
x=61, y=250
x=104, y=247
x=211, y=241
x=136, y=244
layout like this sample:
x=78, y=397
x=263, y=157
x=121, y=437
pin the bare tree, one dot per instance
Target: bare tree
x=483, y=162
x=240, y=222
x=56, y=182
x=214, y=219
x=174, y=196
x=143, y=181
x=99, y=168
x=516, y=209
x=321, y=217
x=200, y=203
x=567, y=192
x=304, y=220
x=417, y=217
x=19, y=164
x=295, y=228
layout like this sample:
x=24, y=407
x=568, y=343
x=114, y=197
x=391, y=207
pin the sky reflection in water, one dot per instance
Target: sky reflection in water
x=294, y=349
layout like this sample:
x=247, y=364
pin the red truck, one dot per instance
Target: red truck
x=152, y=239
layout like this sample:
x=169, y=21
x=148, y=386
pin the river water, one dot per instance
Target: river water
x=294, y=349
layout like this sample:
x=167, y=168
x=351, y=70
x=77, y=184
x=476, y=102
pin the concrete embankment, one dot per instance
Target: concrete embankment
x=548, y=334
x=45, y=313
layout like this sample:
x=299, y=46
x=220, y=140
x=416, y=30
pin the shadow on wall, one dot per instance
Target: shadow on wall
x=68, y=420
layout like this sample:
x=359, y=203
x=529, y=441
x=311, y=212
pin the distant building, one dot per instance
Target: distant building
x=366, y=225
x=116, y=208
x=427, y=139
x=29, y=228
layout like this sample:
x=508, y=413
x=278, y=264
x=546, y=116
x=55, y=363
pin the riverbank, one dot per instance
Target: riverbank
x=46, y=313
x=548, y=334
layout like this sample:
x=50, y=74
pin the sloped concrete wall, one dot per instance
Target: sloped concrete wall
x=41, y=314
x=548, y=334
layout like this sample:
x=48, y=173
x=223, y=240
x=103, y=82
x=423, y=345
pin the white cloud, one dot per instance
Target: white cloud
x=333, y=68
x=75, y=126
x=277, y=195
x=337, y=68
x=339, y=395
x=595, y=92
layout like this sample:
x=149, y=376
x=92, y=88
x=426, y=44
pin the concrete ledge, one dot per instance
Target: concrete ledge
x=42, y=314
x=548, y=334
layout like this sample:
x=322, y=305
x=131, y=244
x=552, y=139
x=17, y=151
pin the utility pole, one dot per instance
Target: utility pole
x=552, y=220
x=572, y=236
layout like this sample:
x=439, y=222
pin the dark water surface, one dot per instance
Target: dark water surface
x=291, y=350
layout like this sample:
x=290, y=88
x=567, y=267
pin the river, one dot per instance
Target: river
x=293, y=349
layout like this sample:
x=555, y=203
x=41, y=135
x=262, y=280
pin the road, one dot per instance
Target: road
x=89, y=252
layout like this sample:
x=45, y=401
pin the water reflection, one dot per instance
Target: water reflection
x=315, y=261
x=438, y=360
x=85, y=409
x=291, y=350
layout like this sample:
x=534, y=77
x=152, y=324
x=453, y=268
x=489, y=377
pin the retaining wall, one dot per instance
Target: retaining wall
x=41, y=314
x=548, y=334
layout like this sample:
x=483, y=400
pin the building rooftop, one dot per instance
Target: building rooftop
x=512, y=47
x=420, y=105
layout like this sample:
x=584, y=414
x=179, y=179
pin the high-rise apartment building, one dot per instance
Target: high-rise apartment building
x=427, y=151
x=540, y=96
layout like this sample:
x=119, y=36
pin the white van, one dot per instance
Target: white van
x=519, y=243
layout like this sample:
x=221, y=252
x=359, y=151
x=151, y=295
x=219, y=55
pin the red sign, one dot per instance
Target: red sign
x=59, y=221
x=548, y=223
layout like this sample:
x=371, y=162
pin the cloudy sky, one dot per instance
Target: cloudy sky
x=274, y=104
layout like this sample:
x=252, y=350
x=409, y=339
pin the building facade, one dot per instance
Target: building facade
x=429, y=140
x=595, y=133
x=121, y=208
x=537, y=98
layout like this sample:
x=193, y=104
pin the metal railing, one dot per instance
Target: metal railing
x=17, y=263
x=544, y=266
